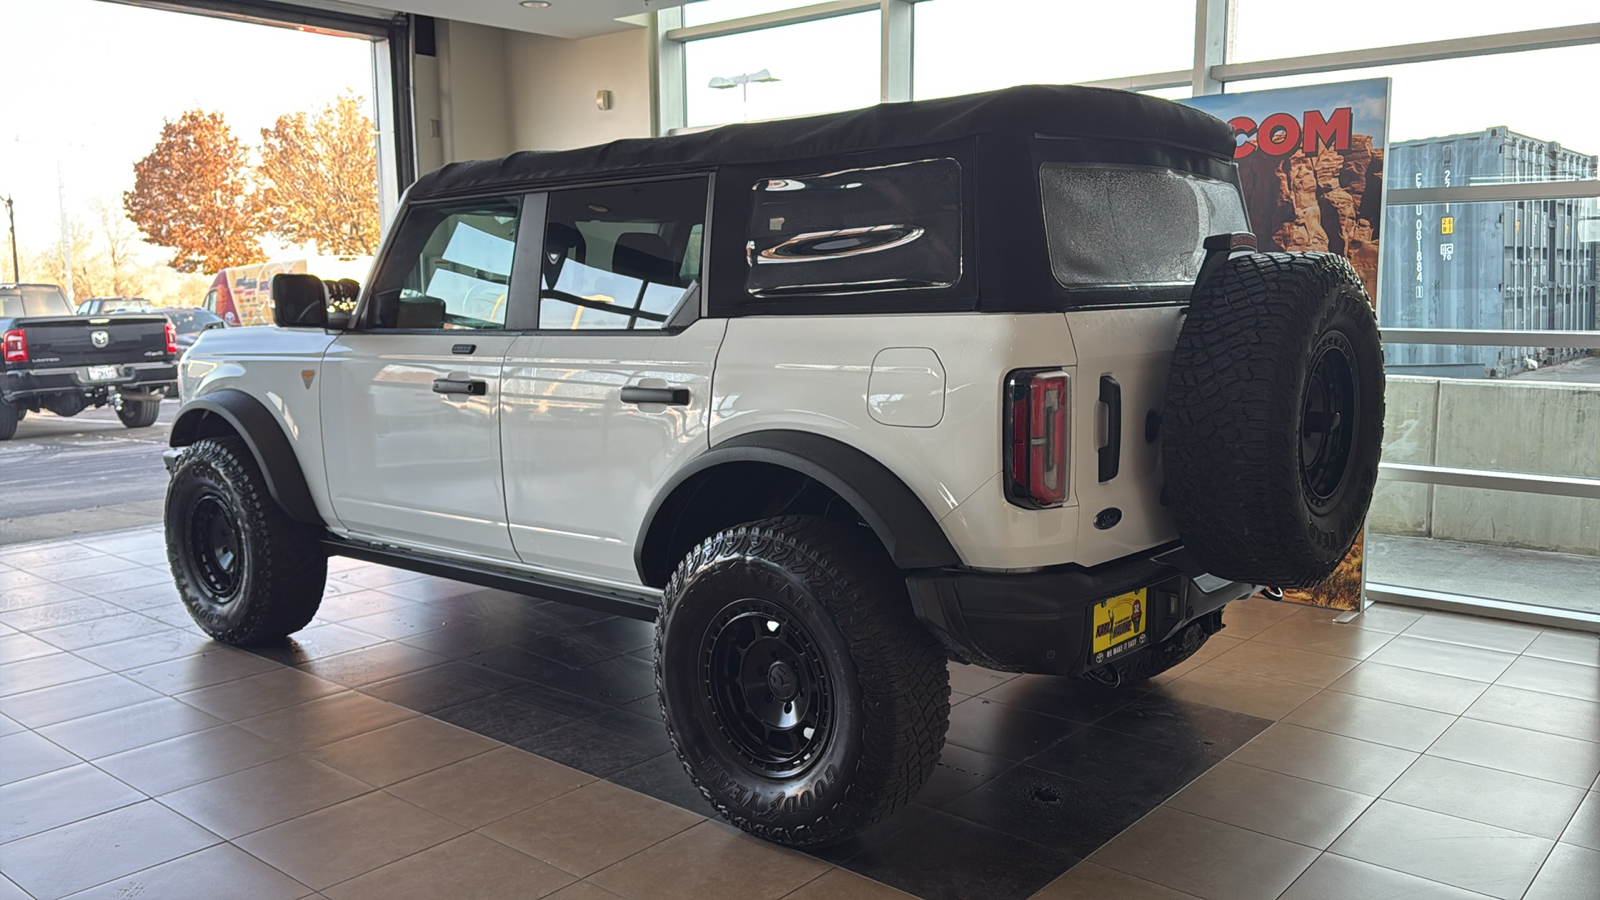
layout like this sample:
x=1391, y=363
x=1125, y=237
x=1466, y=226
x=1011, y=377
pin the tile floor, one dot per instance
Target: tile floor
x=425, y=738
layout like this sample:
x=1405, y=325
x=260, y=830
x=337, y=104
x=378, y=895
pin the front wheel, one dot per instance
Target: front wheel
x=799, y=690
x=247, y=573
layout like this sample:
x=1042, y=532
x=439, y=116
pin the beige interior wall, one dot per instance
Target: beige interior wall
x=553, y=81
x=474, y=109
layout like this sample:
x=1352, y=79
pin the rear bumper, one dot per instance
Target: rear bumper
x=23, y=383
x=1039, y=622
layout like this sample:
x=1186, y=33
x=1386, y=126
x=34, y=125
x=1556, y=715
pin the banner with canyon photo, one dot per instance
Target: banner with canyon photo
x=1311, y=166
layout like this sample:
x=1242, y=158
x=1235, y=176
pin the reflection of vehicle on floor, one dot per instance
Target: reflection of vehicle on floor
x=832, y=399
x=64, y=363
x=241, y=295
x=100, y=306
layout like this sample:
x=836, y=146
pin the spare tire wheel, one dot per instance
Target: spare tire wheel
x=1274, y=418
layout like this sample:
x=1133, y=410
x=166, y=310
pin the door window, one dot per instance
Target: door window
x=450, y=267
x=622, y=257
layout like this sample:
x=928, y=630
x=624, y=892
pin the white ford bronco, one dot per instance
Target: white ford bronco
x=996, y=378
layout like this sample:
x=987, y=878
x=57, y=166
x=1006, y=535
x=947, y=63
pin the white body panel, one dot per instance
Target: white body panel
x=269, y=363
x=409, y=465
x=581, y=466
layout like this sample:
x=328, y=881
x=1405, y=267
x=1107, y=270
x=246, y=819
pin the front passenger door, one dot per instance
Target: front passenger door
x=411, y=399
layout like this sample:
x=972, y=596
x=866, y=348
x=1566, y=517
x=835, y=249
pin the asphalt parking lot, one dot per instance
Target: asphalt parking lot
x=60, y=477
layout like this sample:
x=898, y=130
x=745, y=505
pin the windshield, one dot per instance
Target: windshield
x=189, y=321
x=1132, y=225
x=33, y=300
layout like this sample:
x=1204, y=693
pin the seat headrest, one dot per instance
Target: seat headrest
x=646, y=257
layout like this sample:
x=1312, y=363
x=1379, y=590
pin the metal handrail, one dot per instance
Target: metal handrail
x=1521, y=482
x=1474, y=337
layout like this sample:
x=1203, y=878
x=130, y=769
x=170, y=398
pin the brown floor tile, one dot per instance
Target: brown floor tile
x=114, y=731
x=61, y=571
x=1532, y=753
x=1553, y=677
x=1442, y=658
x=45, y=671
x=25, y=754
x=74, y=699
x=1215, y=646
x=483, y=789
x=1202, y=857
x=1285, y=663
x=1249, y=617
x=1331, y=759
x=1443, y=848
x=16, y=646
x=167, y=766
x=1585, y=827
x=124, y=627
x=583, y=890
x=1271, y=803
x=215, y=664
x=202, y=876
x=1409, y=687
x=55, y=798
x=1319, y=635
x=265, y=795
x=1270, y=698
x=585, y=830
x=470, y=867
x=325, y=720
x=174, y=643
x=256, y=695
x=1089, y=881
x=1550, y=713
x=402, y=750
x=972, y=680
x=843, y=884
x=331, y=845
x=1571, y=873
x=1490, y=796
x=1383, y=617
x=66, y=612
x=1474, y=631
x=1566, y=646
x=1338, y=878
x=10, y=891
x=710, y=860
x=1366, y=719
x=108, y=846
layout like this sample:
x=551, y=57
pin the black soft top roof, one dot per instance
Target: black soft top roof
x=1055, y=110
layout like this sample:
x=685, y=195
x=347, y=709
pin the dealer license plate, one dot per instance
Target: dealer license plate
x=102, y=373
x=1119, y=625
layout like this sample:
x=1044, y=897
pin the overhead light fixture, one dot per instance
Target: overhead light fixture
x=534, y=4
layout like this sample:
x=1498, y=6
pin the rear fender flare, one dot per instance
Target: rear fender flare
x=263, y=435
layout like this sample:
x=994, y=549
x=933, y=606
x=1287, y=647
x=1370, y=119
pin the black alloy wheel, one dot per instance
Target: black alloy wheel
x=1330, y=422
x=213, y=537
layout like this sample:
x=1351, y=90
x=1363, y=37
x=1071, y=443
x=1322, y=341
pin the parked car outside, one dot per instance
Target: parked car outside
x=190, y=323
x=101, y=306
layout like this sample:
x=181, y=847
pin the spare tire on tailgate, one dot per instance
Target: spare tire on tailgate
x=1274, y=418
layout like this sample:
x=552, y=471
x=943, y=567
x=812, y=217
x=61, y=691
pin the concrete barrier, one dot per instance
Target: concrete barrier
x=1505, y=426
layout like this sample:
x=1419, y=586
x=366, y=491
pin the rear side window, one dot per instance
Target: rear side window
x=1132, y=225
x=883, y=228
x=621, y=257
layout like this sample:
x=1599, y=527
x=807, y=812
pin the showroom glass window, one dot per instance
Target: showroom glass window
x=807, y=82
x=622, y=257
x=450, y=267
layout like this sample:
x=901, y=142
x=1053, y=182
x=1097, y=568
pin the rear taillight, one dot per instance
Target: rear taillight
x=172, y=339
x=1037, y=431
x=16, y=346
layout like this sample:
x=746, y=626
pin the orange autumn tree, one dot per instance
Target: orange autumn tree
x=192, y=193
x=319, y=179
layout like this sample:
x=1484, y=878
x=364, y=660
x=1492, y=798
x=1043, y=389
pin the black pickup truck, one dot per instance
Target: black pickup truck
x=64, y=363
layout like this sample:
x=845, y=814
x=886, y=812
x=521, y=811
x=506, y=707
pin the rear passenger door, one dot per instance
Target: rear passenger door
x=411, y=395
x=612, y=395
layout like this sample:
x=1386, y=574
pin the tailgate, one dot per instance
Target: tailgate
x=73, y=341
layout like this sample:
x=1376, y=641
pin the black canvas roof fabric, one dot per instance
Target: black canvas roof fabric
x=1055, y=110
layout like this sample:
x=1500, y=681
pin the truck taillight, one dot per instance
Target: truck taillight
x=16, y=346
x=1037, y=432
x=172, y=338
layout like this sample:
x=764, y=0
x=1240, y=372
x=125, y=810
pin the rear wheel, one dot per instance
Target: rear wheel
x=138, y=412
x=801, y=694
x=247, y=573
x=10, y=415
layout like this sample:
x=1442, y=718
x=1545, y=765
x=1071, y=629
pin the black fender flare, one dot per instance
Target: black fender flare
x=259, y=429
x=909, y=532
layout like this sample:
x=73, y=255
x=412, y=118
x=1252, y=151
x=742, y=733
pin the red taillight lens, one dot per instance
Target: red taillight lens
x=16, y=346
x=172, y=338
x=1038, y=428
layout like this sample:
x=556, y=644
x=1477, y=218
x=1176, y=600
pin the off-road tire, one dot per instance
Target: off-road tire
x=1247, y=503
x=9, y=417
x=137, y=413
x=218, y=508
x=889, y=682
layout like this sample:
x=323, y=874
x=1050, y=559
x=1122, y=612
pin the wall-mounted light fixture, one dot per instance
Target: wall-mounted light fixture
x=602, y=100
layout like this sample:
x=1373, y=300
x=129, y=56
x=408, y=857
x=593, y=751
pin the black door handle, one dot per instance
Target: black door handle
x=1111, y=453
x=669, y=396
x=470, y=386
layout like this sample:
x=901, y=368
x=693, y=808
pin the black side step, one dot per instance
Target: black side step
x=607, y=600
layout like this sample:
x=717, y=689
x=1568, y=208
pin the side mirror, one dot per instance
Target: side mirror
x=299, y=301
